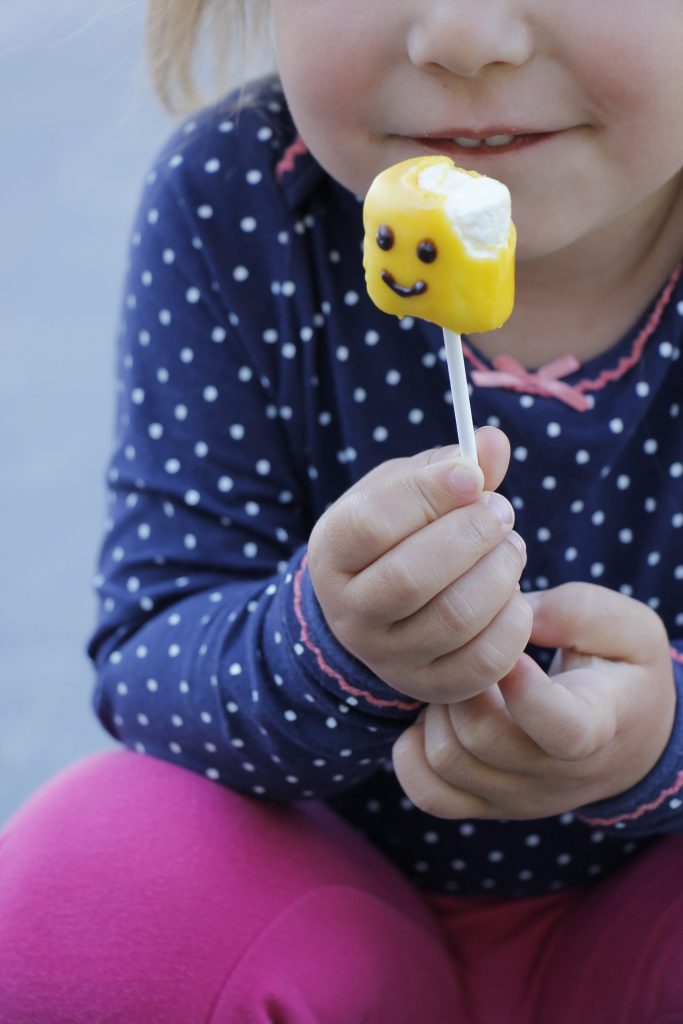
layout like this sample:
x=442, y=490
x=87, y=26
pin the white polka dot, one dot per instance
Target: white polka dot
x=205, y=212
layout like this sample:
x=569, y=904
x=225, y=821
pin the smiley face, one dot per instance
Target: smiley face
x=426, y=252
x=417, y=265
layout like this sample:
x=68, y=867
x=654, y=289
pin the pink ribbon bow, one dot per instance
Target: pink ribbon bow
x=508, y=373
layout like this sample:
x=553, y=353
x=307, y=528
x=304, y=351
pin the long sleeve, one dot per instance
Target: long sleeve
x=212, y=649
x=654, y=805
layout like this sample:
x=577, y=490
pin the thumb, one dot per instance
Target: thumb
x=594, y=620
x=493, y=452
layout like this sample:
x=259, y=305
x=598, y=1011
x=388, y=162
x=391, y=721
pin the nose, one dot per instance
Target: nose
x=466, y=36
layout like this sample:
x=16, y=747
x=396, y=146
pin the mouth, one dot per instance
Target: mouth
x=419, y=288
x=490, y=143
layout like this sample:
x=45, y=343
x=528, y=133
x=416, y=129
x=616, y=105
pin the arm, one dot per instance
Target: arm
x=204, y=598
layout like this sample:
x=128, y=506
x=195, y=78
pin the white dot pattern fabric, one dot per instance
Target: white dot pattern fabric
x=256, y=383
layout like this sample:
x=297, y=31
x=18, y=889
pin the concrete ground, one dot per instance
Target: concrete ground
x=78, y=127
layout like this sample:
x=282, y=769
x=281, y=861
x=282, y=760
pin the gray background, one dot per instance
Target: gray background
x=78, y=129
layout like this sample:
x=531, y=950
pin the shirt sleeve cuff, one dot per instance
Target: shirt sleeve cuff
x=655, y=804
x=335, y=669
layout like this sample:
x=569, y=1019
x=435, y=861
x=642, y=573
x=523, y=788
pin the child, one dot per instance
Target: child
x=308, y=598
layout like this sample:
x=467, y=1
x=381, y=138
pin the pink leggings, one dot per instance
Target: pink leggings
x=133, y=891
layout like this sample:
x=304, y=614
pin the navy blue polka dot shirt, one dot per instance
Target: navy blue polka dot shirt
x=256, y=383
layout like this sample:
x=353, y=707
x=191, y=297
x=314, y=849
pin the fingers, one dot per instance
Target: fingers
x=401, y=497
x=460, y=610
x=594, y=620
x=472, y=668
x=570, y=716
x=423, y=784
x=423, y=565
x=374, y=520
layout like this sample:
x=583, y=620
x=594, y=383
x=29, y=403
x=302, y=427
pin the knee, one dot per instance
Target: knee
x=116, y=883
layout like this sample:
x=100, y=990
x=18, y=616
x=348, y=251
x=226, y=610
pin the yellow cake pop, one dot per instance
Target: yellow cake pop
x=440, y=245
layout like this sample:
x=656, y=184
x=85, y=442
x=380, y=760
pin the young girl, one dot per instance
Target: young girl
x=400, y=767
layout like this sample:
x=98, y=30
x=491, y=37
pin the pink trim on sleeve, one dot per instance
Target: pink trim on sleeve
x=676, y=655
x=327, y=669
x=644, y=808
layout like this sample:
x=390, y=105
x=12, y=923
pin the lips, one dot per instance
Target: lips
x=484, y=143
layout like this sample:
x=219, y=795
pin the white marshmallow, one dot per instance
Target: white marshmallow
x=479, y=209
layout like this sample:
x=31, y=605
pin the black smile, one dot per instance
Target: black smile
x=419, y=288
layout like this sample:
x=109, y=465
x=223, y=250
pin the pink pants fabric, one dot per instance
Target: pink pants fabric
x=135, y=891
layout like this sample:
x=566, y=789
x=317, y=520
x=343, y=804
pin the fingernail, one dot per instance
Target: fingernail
x=501, y=507
x=517, y=542
x=466, y=480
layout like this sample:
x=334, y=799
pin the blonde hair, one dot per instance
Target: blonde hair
x=178, y=29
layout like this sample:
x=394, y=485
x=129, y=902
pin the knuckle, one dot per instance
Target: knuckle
x=423, y=488
x=482, y=528
x=394, y=586
x=439, y=754
x=356, y=524
x=455, y=610
x=473, y=732
x=494, y=651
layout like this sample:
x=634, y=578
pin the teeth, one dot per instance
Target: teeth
x=465, y=142
x=499, y=140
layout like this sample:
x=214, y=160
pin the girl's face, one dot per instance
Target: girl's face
x=580, y=101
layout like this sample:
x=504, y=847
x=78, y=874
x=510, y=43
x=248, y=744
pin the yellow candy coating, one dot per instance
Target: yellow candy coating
x=417, y=265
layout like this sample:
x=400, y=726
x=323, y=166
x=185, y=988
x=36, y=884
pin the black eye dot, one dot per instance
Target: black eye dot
x=426, y=251
x=385, y=237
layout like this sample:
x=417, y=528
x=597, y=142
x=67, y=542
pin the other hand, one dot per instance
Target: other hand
x=537, y=745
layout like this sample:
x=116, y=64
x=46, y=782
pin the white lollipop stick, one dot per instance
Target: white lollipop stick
x=461, y=396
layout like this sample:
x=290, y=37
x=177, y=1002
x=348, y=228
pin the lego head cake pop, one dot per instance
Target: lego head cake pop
x=440, y=245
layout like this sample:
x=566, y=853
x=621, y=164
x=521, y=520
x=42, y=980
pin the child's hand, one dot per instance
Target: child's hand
x=535, y=745
x=416, y=570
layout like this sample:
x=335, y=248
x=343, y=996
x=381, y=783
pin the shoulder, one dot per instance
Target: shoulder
x=230, y=156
